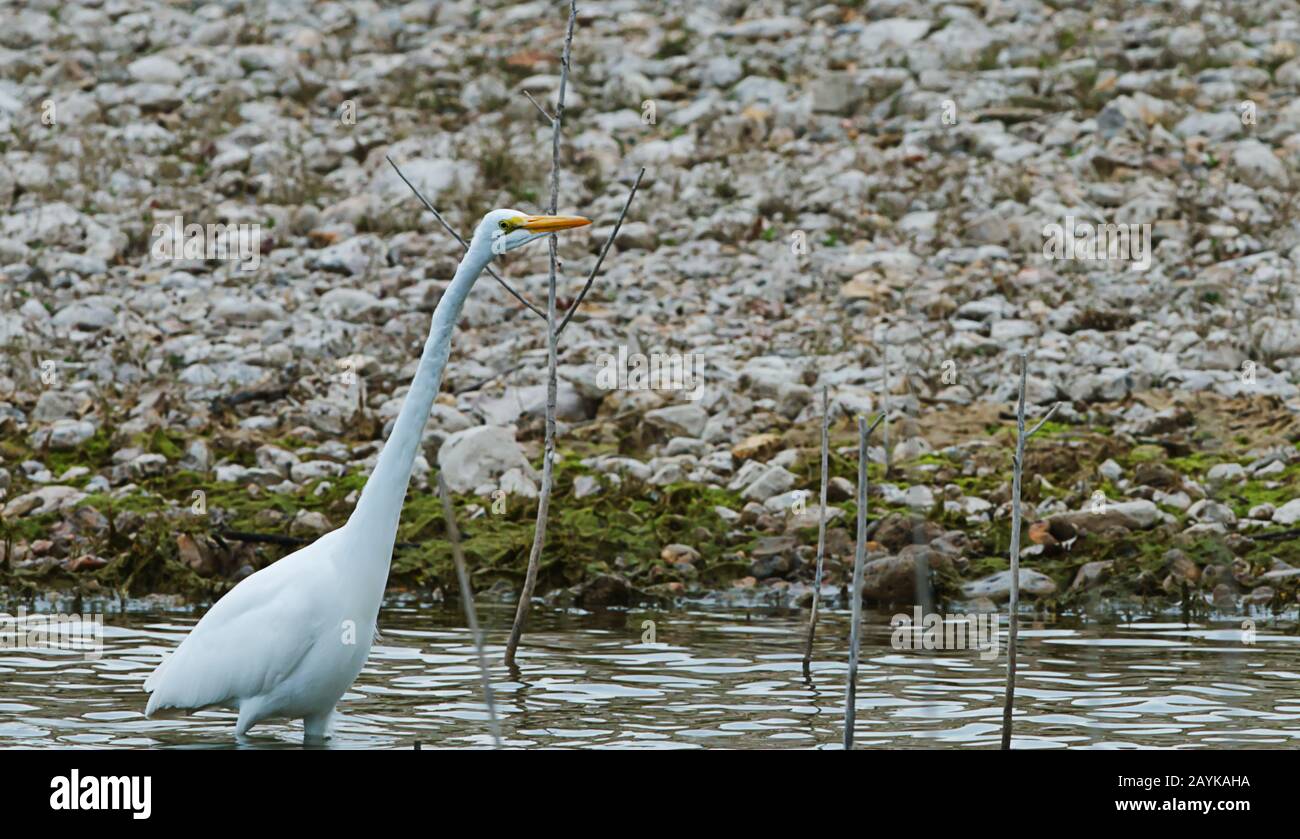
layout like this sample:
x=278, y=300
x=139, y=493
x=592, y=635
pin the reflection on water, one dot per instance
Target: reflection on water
x=713, y=678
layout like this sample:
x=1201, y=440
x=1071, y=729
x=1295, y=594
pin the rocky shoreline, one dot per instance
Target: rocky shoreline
x=1121, y=515
x=851, y=196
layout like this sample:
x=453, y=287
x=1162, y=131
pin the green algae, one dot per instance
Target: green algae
x=621, y=529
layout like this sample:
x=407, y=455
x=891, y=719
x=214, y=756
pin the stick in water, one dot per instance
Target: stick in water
x=471, y=616
x=859, y=560
x=821, y=534
x=552, y=336
x=1014, y=605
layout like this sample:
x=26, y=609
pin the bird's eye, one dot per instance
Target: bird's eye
x=505, y=225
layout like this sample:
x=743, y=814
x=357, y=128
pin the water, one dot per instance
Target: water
x=715, y=678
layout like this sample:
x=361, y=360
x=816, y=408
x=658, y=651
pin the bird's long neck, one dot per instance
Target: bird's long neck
x=377, y=512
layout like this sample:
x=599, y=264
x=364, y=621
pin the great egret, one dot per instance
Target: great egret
x=290, y=639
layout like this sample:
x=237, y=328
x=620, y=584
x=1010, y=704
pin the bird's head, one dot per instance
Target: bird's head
x=506, y=230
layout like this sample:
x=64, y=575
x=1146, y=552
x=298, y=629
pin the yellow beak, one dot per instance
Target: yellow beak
x=549, y=224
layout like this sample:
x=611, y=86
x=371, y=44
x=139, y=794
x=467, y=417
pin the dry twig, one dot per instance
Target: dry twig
x=552, y=336
x=821, y=532
x=859, y=562
x=1014, y=606
x=471, y=615
x=464, y=245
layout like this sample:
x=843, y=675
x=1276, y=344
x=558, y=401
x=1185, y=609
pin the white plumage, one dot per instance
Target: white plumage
x=289, y=640
x=275, y=645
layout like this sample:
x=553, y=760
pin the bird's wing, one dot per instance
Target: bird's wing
x=249, y=640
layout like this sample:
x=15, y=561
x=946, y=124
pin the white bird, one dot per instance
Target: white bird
x=289, y=640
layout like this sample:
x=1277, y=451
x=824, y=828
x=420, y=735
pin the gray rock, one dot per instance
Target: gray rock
x=773, y=480
x=353, y=304
x=156, y=68
x=1220, y=126
x=997, y=587
x=275, y=458
x=1256, y=165
x=836, y=93
x=242, y=310
x=892, y=579
x=1221, y=474
x=721, y=71
x=686, y=420
x=605, y=591
x=1288, y=513
x=309, y=523
x=515, y=482
x=1213, y=512
x=314, y=470
x=55, y=405
x=918, y=498
x=1278, y=337
x=63, y=435
x=479, y=455
x=1090, y=575
x=198, y=457
x=86, y=317
x=585, y=486
x=891, y=34
x=1138, y=514
x=47, y=499
x=353, y=256
x=433, y=177
x=141, y=466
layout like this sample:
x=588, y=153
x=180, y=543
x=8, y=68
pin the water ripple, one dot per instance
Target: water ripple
x=729, y=679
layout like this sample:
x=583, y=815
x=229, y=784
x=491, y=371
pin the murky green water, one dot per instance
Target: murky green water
x=725, y=678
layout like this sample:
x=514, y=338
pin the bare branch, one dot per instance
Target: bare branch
x=604, y=250
x=855, y=592
x=1013, y=604
x=586, y=287
x=471, y=616
x=821, y=533
x=1043, y=421
x=552, y=388
x=548, y=117
x=464, y=245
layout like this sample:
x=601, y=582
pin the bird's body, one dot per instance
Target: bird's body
x=289, y=640
x=277, y=644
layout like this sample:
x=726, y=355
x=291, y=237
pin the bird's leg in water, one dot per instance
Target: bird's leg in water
x=316, y=728
x=246, y=718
